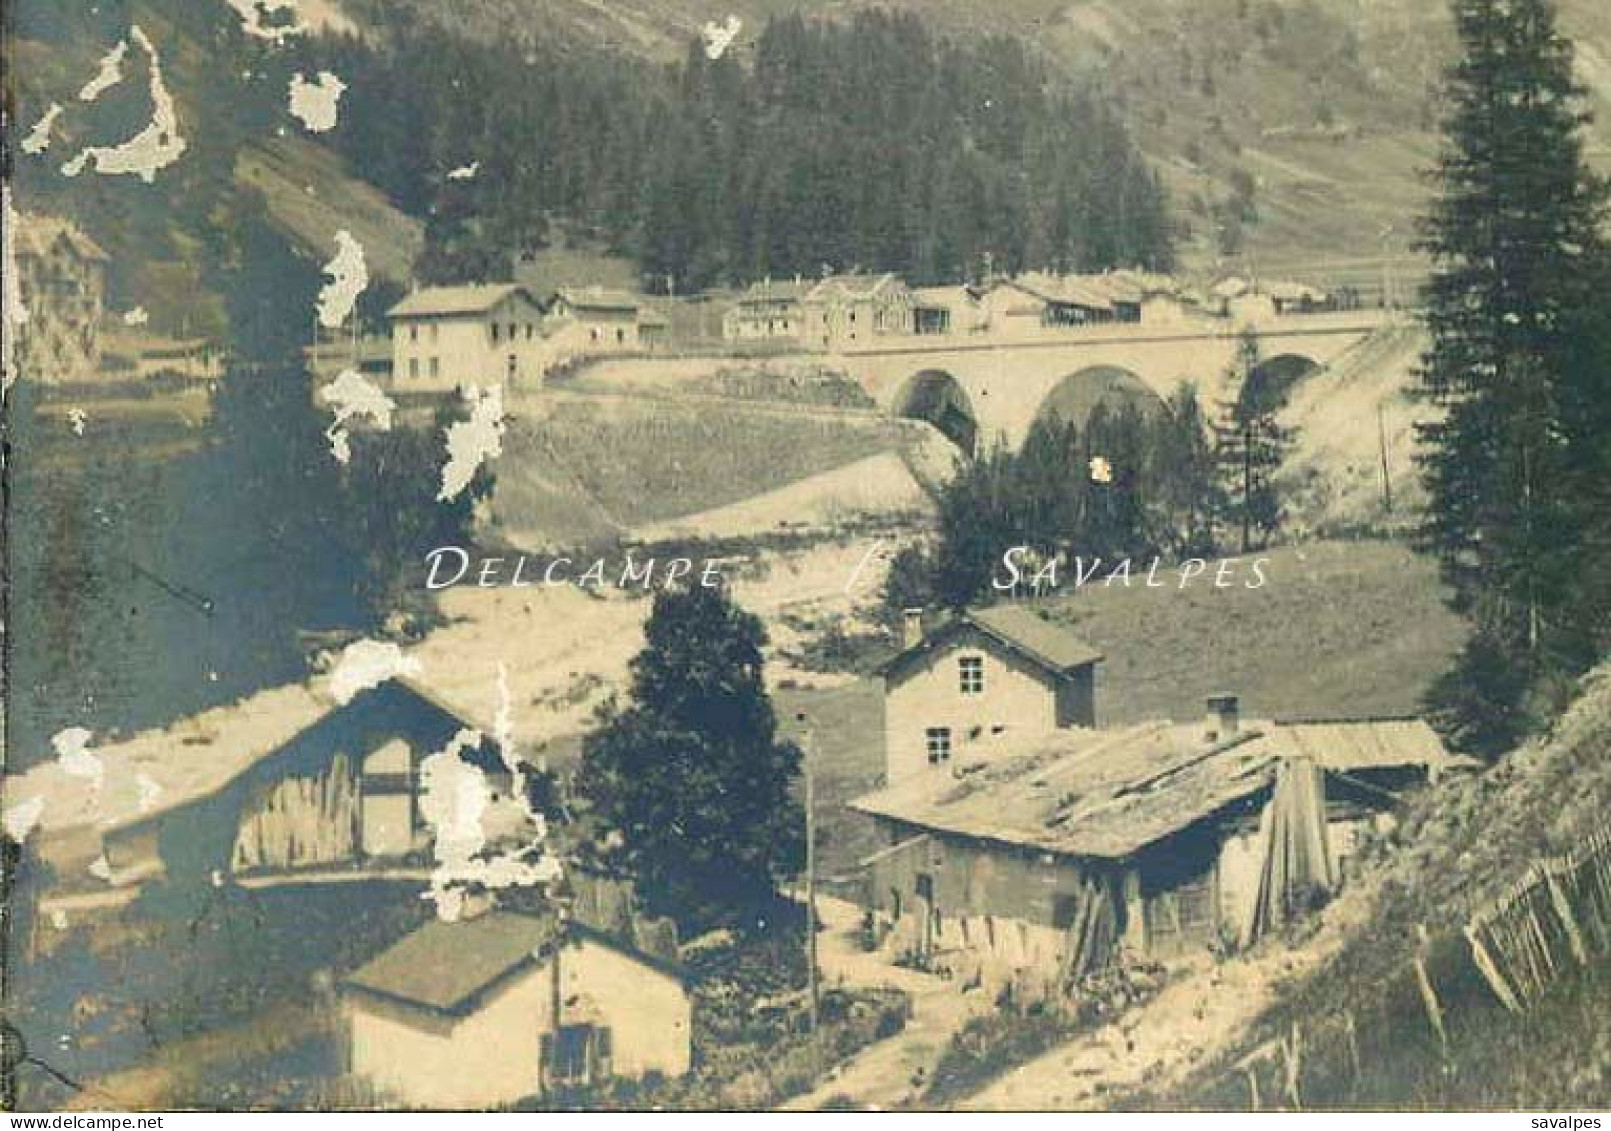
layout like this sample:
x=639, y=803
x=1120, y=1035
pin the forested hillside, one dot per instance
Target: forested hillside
x=870, y=143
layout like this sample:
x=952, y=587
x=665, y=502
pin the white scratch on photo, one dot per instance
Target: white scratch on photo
x=317, y=101
x=154, y=148
x=369, y=663
x=350, y=395
x=471, y=442
x=38, y=139
x=349, y=275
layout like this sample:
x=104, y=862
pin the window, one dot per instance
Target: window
x=578, y=1054
x=413, y=367
x=436, y=367
x=435, y=331
x=620, y=336
x=938, y=742
x=970, y=675
x=494, y=332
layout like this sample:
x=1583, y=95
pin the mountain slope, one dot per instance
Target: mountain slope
x=1323, y=111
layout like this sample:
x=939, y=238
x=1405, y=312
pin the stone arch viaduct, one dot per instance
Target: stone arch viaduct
x=982, y=390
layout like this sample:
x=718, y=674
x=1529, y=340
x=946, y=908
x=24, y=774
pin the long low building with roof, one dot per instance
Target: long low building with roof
x=1029, y=843
x=504, y=1005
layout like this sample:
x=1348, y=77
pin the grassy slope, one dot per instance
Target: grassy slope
x=577, y=468
x=1461, y=845
x=1341, y=628
x=311, y=194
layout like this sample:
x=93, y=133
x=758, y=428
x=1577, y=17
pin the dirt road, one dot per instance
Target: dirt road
x=893, y=1072
x=1192, y=1020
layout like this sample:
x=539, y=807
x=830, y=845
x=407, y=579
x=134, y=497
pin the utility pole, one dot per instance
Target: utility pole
x=808, y=745
x=1387, y=475
x=1247, y=485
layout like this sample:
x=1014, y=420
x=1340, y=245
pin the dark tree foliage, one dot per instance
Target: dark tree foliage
x=1516, y=469
x=691, y=776
x=1250, y=447
x=1187, y=499
x=865, y=144
x=1135, y=482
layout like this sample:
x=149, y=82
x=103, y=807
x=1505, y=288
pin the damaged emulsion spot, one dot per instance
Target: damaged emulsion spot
x=316, y=101
x=13, y=311
x=719, y=37
x=255, y=16
x=109, y=74
x=464, y=172
x=38, y=139
x=368, y=663
x=349, y=275
x=74, y=757
x=457, y=801
x=470, y=442
x=21, y=818
x=153, y=148
x=351, y=395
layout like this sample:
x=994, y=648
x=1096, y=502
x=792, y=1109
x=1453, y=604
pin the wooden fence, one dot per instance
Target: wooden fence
x=1554, y=919
x=1556, y=916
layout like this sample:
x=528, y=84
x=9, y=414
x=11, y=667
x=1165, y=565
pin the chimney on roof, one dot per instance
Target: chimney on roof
x=912, y=628
x=1224, y=717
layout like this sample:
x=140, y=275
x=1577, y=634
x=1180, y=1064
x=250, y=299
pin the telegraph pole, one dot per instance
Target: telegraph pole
x=808, y=745
x=1387, y=475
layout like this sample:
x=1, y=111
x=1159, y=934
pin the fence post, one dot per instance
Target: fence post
x=1563, y=908
x=1350, y=1030
x=1429, y=994
x=1489, y=970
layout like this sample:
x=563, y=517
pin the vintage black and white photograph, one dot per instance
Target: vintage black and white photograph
x=583, y=556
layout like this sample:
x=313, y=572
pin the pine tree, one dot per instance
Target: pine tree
x=690, y=775
x=1186, y=496
x=1516, y=236
x=1250, y=447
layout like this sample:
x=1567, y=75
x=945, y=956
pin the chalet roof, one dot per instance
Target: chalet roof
x=948, y=297
x=1042, y=642
x=597, y=298
x=445, y=966
x=851, y=286
x=1066, y=290
x=1107, y=794
x=477, y=298
x=1290, y=291
x=1231, y=287
x=768, y=290
x=448, y=967
x=37, y=233
x=1374, y=743
x=163, y=769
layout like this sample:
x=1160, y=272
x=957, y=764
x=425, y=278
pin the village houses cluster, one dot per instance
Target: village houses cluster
x=446, y=337
x=1026, y=844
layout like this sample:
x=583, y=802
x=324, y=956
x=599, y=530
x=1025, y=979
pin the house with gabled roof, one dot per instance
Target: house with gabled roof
x=61, y=283
x=979, y=684
x=1022, y=842
x=598, y=320
x=502, y=1006
x=446, y=338
x=847, y=310
x=768, y=311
